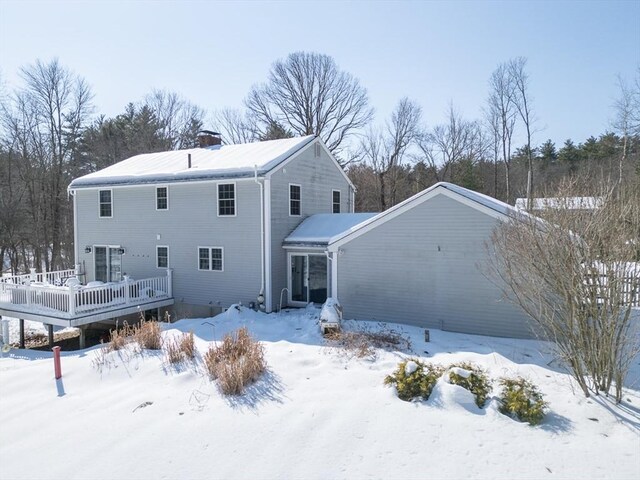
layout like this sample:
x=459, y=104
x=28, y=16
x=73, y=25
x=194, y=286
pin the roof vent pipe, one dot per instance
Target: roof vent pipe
x=189, y=160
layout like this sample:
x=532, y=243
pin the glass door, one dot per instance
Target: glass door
x=308, y=278
x=317, y=278
x=108, y=264
x=299, y=276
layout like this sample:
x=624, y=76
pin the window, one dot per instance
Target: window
x=226, y=199
x=210, y=258
x=162, y=198
x=336, y=201
x=105, y=203
x=162, y=257
x=294, y=200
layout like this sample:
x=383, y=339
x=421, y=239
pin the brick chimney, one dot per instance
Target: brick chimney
x=207, y=138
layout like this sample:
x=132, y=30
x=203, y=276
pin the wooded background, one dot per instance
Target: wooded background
x=50, y=134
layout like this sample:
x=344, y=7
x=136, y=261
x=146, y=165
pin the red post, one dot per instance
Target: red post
x=56, y=362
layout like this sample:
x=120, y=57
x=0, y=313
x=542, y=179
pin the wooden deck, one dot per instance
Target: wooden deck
x=44, y=298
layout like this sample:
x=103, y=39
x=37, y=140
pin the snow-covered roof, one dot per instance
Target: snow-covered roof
x=320, y=228
x=569, y=203
x=228, y=161
x=476, y=199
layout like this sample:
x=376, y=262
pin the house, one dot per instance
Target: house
x=272, y=224
x=422, y=262
x=216, y=216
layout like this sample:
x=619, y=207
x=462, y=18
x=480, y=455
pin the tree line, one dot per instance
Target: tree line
x=50, y=133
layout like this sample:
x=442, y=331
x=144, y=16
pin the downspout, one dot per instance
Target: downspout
x=261, y=231
x=72, y=193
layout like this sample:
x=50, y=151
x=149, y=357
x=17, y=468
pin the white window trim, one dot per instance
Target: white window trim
x=162, y=209
x=339, y=203
x=300, y=187
x=210, y=258
x=168, y=260
x=100, y=203
x=235, y=200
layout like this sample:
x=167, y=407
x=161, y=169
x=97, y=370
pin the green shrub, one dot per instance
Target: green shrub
x=416, y=384
x=522, y=399
x=477, y=382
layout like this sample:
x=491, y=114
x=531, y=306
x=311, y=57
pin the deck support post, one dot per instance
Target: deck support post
x=83, y=336
x=21, y=322
x=50, y=334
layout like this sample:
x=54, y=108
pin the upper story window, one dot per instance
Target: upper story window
x=336, y=201
x=162, y=198
x=210, y=258
x=106, y=204
x=162, y=257
x=294, y=199
x=226, y=199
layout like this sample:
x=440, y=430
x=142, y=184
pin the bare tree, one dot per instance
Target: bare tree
x=455, y=141
x=42, y=126
x=384, y=149
x=627, y=116
x=576, y=275
x=520, y=83
x=308, y=94
x=502, y=104
x=493, y=126
x=235, y=126
x=179, y=119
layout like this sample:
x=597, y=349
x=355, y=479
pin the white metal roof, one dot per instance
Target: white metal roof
x=320, y=228
x=228, y=161
x=568, y=203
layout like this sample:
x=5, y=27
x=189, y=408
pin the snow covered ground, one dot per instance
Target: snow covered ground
x=318, y=413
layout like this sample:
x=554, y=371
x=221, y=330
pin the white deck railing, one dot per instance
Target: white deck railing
x=54, y=278
x=19, y=291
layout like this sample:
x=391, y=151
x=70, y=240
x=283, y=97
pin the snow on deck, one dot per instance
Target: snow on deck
x=320, y=228
x=212, y=162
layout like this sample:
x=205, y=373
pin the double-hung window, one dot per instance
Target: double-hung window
x=106, y=205
x=226, y=199
x=336, y=201
x=162, y=257
x=295, y=200
x=210, y=258
x=162, y=198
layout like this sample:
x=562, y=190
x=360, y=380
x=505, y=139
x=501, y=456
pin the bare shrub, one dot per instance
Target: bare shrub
x=187, y=345
x=120, y=337
x=364, y=341
x=148, y=335
x=236, y=362
x=173, y=352
x=577, y=275
x=179, y=349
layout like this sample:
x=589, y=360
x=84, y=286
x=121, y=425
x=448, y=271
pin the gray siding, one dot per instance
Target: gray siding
x=317, y=178
x=426, y=267
x=191, y=221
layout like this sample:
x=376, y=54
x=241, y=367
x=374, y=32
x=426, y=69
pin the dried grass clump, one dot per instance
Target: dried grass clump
x=364, y=342
x=148, y=335
x=120, y=337
x=179, y=349
x=188, y=346
x=236, y=362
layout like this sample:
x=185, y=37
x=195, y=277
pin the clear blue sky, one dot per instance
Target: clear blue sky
x=433, y=52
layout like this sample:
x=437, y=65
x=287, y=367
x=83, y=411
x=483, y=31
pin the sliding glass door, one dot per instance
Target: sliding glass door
x=307, y=278
x=108, y=264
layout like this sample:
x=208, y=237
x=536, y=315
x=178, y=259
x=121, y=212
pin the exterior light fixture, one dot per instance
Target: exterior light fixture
x=87, y=249
x=121, y=251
